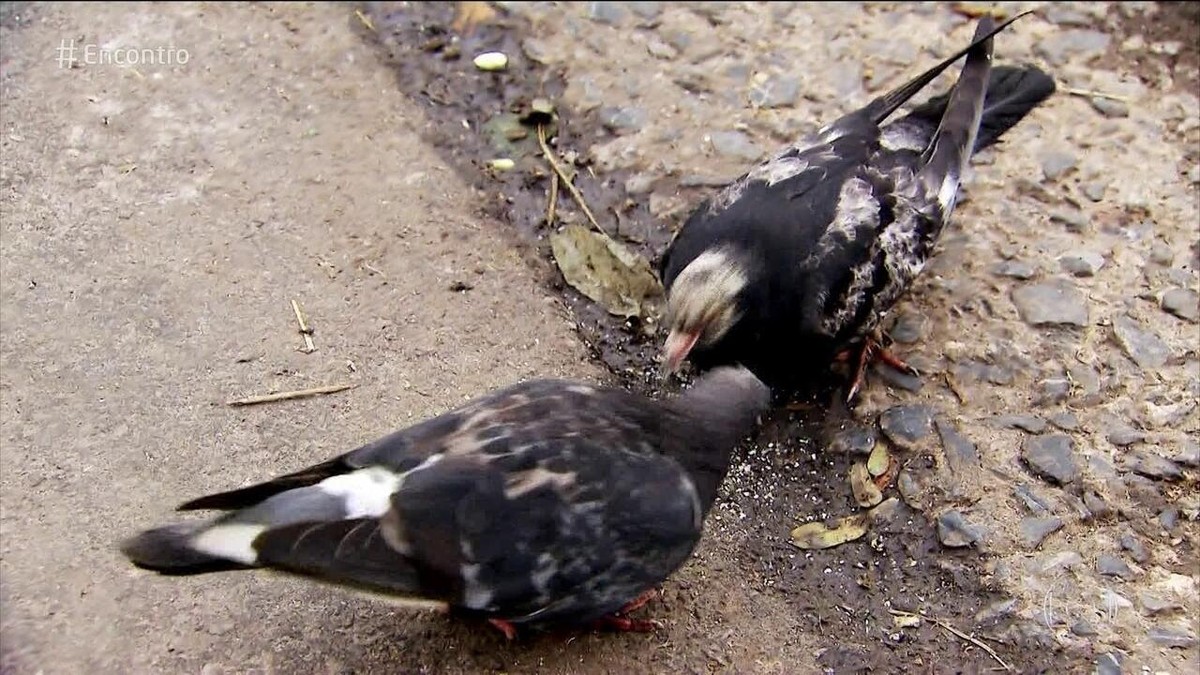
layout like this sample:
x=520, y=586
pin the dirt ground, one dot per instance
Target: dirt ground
x=158, y=220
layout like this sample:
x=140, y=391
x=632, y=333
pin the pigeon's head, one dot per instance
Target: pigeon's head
x=702, y=305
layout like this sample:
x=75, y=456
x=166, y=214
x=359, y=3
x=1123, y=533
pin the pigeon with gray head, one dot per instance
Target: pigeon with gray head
x=798, y=262
x=545, y=503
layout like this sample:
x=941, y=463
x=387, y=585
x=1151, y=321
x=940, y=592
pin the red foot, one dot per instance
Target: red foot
x=638, y=602
x=623, y=624
x=509, y=630
x=872, y=349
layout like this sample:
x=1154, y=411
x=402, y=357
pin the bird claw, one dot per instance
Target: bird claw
x=872, y=349
x=509, y=630
x=638, y=602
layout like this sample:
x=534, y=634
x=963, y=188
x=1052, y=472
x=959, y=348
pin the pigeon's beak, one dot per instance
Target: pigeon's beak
x=677, y=348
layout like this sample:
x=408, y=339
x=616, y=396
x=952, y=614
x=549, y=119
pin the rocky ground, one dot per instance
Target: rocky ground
x=1045, y=502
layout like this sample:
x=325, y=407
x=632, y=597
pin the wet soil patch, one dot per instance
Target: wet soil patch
x=785, y=475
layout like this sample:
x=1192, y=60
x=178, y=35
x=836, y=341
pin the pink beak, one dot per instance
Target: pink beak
x=677, y=348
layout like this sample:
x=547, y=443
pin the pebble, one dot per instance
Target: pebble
x=1067, y=421
x=1096, y=505
x=1123, y=436
x=611, y=13
x=618, y=120
x=1152, y=466
x=960, y=452
x=1073, y=220
x=661, y=50
x=995, y=612
x=1161, y=253
x=779, y=91
x=639, y=184
x=1145, y=492
x=954, y=531
x=1132, y=545
x=1189, y=454
x=1109, y=664
x=1052, y=391
x=1035, y=530
x=1095, y=190
x=1051, y=457
x=898, y=379
x=907, y=425
x=1152, y=604
x=908, y=328
x=1183, y=303
x=1111, y=566
x=1085, y=377
x=1169, y=518
x=856, y=440
x=1068, y=44
x=1144, y=347
x=1110, y=108
x=1051, y=304
x=735, y=144
x=1031, y=423
x=1112, y=601
x=210, y=669
x=1082, y=265
x=1055, y=163
x=1168, y=637
x=1016, y=269
x=1084, y=629
x=646, y=10
x=1033, y=501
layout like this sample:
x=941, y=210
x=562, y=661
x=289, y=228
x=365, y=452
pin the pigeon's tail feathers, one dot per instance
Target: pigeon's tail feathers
x=248, y=496
x=1013, y=92
x=946, y=158
x=168, y=550
x=882, y=107
x=238, y=538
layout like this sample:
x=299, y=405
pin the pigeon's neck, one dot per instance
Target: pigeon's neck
x=707, y=467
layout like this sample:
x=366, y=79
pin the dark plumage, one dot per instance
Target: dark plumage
x=547, y=502
x=803, y=256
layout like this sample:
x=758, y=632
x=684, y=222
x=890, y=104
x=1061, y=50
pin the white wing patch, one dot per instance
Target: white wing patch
x=233, y=541
x=367, y=493
x=857, y=207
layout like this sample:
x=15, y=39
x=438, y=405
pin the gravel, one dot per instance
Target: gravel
x=1144, y=347
x=1031, y=423
x=907, y=425
x=1056, y=163
x=1051, y=304
x=1035, y=530
x=955, y=532
x=780, y=91
x=1134, y=547
x=1111, y=566
x=735, y=144
x=1183, y=303
x=1082, y=265
x=959, y=451
x=1051, y=457
x=1172, y=638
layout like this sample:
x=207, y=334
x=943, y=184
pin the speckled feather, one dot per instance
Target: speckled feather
x=832, y=230
x=545, y=502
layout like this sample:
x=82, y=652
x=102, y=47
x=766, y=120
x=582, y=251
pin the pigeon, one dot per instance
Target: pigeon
x=549, y=503
x=799, y=260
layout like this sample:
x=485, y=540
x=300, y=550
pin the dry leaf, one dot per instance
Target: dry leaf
x=606, y=272
x=866, y=494
x=471, y=14
x=817, y=535
x=906, y=620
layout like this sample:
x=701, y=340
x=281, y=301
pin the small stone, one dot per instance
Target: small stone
x=659, y=49
x=1189, y=454
x=1086, y=379
x=1110, y=664
x=1035, y=530
x=898, y=379
x=1084, y=629
x=1073, y=220
x=960, y=452
x=1111, y=566
x=1095, y=190
x=1053, y=391
x=1152, y=466
x=646, y=10
x=1109, y=108
x=1145, y=492
x=907, y=425
x=908, y=328
x=1066, y=45
x=735, y=144
x=639, y=184
x=778, y=91
x=1051, y=458
x=210, y=669
x=1152, y=604
x=1144, y=347
x=1055, y=163
x=1096, y=505
x=995, y=612
x=491, y=61
x=1123, y=436
x=1183, y=303
x=954, y=531
x=1051, y=304
x=1032, y=501
x=1161, y=253
x=1054, y=562
x=1132, y=545
x=1067, y=421
x=1112, y=601
x=619, y=120
x=1016, y=269
x=606, y=12
x=1082, y=265
x=857, y=441
x=1168, y=637
x=538, y=50
x=1169, y=518
x=1031, y=423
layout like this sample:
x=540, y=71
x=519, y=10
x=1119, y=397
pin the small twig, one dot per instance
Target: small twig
x=549, y=155
x=370, y=268
x=365, y=20
x=553, y=205
x=1096, y=94
x=952, y=382
x=288, y=395
x=309, y=347
x=957, y=633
